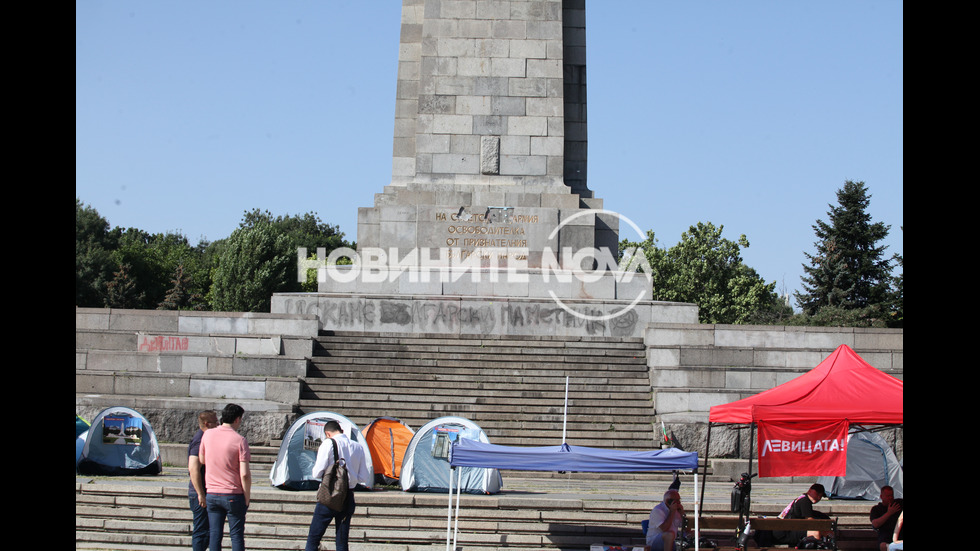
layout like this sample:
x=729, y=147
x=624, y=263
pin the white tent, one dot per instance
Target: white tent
x=425, y=467
x=293, y=469
x=120, y=442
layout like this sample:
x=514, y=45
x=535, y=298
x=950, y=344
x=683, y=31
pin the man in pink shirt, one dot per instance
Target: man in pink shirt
x=227, y=477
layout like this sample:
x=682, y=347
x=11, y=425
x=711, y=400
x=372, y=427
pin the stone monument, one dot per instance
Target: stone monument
x=488, y=224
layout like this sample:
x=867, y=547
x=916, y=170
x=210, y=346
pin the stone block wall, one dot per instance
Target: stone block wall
x=479, y=92
x=169, y=365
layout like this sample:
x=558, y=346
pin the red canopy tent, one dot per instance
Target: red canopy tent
x=843, y=387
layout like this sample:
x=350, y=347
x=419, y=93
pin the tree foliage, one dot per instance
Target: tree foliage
x=707, y=269
x=131, y=268
x=849, y=274
x=94, y=266
x=256, y=262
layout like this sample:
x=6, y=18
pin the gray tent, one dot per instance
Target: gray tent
x=425, y=467
x=871, y=464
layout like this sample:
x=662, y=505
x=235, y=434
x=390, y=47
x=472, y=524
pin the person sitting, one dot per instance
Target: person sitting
x=666, y=523
x=898, y=537
x=884, y=515
x=802, y=508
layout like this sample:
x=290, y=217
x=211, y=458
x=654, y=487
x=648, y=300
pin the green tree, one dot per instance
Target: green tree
x=849, y=270
x=181, y=295
x=94, y=265
x=707, y=269
x=898, y=294
x=153, y=260
x=254, y=263
x=123, y=291
x=302, y=230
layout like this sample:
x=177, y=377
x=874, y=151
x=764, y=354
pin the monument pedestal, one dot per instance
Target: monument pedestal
x=488, y=225
x=485, y=302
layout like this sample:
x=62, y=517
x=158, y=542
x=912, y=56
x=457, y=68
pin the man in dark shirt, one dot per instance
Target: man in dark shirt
x=200, y=529
x=884, y=515
x=802, y=507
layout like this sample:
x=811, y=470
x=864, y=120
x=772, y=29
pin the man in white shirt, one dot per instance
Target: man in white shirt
x=353, y=455
x=666, y=522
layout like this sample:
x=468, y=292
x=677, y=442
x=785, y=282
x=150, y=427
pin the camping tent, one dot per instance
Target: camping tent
x=871, y=464
x=293, y=468
x=426, y=464
x=470, y=453
x=120, y=442
x=387, y=438
x=81, y=432
x=843, y=387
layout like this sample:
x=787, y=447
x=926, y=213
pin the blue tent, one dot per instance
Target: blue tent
x=81, y=433
x=119, y=442
x=470, y=453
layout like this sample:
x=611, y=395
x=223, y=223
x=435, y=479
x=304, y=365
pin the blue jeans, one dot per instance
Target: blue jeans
x=200, y=531
x=232, y=507
x=322, y=515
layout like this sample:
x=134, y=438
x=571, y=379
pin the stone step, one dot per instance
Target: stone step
x=554, y=379
x=535, y=511
x=507, y=346
x=514, y=388
x=496, y=356
x=477, y=387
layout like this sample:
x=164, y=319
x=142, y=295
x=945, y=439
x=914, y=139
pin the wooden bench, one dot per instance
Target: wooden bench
x=731, y=524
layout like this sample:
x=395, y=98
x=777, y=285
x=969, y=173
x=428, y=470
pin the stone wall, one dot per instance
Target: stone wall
x=169, y=365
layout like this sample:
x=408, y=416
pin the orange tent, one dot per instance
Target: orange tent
x=387, y=438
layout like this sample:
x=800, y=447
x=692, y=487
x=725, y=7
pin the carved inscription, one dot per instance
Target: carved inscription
x=494, y=233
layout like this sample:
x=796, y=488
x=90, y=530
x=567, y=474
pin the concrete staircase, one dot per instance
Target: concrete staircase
x=567, y=512
x=513, y=388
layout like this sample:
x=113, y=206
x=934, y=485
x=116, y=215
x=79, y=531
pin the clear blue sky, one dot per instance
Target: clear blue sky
x=747, y=114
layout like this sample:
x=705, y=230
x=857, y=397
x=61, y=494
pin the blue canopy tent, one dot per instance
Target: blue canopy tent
x=470, y=453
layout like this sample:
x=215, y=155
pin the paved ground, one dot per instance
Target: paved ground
x=717, y=495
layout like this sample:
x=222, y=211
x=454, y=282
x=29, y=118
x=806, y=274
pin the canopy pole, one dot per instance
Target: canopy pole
x=449, y=517
x=459, y=487
x=707, y=446
x=697, y=514
x=564, y=420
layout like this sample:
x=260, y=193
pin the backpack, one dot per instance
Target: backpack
x=790, y=506
x=333, y=489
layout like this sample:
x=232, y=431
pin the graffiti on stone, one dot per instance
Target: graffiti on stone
x=447, y=316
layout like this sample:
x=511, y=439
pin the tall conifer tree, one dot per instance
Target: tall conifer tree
x=849, y=270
